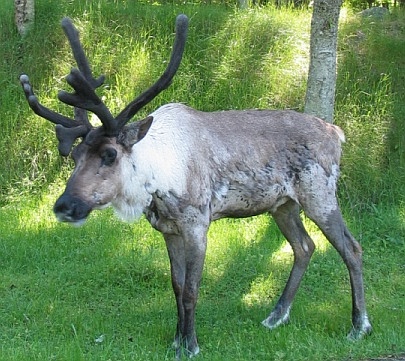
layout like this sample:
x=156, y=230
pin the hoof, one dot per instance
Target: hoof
x=193, y=353
x=276, y=319
x=362, y=329
x=190, y=354
x=184, y=350
x=359, y=333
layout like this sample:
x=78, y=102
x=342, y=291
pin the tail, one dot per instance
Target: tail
x=340, y=133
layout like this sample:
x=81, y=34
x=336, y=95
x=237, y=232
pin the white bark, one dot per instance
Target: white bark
x=320, y=95
x=243, y=4
x=24, y=15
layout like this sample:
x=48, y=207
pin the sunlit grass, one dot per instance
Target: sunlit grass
x=67, y=286
x=369, y=106
x=255, y=68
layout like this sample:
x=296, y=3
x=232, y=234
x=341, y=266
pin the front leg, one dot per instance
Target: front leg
x=187, y=254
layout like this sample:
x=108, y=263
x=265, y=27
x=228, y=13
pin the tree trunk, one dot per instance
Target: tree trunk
x=243, y=4
x=24, y=15
x=320, y=95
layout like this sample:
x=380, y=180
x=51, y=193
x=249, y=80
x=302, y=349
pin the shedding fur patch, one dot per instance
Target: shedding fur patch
x=317, y=193
x=157, y=162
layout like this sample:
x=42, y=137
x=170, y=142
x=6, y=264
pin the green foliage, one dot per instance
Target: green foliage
x=370, y=107
x=359, y=5
x=103, y=292
x=233, y=60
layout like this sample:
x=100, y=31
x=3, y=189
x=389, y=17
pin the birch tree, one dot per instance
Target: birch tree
x=24, y=15
x=320, y=94
x=243, y=4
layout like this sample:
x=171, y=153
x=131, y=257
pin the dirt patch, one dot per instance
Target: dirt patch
x=400, y=357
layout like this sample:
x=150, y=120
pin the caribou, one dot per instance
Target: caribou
x=183, y=169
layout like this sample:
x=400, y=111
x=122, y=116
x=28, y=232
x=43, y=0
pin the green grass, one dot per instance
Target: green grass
x=103, y=291
x=371, y=107
x=62, y=288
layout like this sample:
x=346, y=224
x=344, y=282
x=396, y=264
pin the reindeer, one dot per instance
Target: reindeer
x=183, y=169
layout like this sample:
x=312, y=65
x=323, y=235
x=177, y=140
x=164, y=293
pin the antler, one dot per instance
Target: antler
x=84, y=97
x=67, y=129
x=165, y=80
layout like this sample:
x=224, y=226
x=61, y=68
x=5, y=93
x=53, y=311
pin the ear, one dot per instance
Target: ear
x=134, y=132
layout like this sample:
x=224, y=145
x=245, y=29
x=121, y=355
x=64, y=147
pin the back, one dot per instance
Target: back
x=249, y=162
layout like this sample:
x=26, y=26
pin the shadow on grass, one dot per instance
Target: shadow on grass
x=228, y=291
x=63, y=285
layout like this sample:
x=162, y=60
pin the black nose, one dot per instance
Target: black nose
x=71, y=209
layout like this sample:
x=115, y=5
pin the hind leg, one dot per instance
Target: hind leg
x=288, y=220
x=335, y=230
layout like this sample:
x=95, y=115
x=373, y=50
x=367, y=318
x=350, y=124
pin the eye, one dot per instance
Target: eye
x=108, y=156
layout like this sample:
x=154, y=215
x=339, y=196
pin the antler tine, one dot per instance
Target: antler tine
x=67, y=129
x=73, y=36
x=83, y=82
x=85, y=97
x=165, y=80
x=41, y=110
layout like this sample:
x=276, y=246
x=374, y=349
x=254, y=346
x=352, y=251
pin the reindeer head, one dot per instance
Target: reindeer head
x=101, y=148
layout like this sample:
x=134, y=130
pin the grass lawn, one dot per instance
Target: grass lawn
x=103, y=292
